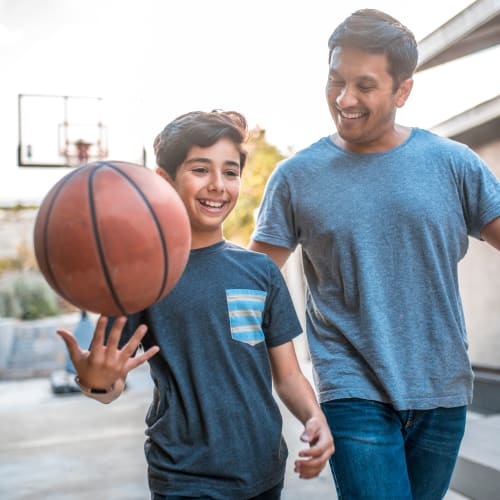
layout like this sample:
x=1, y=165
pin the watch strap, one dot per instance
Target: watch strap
x=92, y=390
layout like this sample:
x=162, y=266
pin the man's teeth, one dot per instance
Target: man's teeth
x=213, y=204
x=350, y=115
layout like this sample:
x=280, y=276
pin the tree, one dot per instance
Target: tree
x=262, y=160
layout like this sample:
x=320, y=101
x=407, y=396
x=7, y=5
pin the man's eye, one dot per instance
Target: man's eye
x=335, y=83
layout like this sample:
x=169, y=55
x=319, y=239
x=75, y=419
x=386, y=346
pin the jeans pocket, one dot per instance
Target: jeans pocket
x=245, y=308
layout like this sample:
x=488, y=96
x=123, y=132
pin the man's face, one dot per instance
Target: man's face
x=362, y=100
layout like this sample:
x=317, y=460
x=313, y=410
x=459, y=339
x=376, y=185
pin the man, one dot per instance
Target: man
x=383, y=214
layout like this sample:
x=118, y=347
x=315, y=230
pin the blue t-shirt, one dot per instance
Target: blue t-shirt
x=381, y=236
x=214, y=428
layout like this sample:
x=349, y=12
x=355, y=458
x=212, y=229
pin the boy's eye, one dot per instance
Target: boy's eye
x=200, y=170
x=232, y=173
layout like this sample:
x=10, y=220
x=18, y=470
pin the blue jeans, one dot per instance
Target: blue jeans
x=389, y=454
x=272, y=494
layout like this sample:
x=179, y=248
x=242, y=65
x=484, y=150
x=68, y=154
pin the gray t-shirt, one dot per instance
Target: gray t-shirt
x=214, y=428
x=381, y=237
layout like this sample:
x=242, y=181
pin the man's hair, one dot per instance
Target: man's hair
x=198, y=128
x=374, y=31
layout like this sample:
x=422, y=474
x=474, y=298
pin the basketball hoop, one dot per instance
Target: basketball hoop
x=81, y=143
x=61, y=131
x=81, y=152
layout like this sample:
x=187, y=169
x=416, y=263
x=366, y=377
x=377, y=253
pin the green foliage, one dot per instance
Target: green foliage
x=262, y=160
x=27, y=295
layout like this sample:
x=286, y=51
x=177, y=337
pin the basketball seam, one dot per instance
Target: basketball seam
x=100, y=250
x=45, y=245
x=156, y=221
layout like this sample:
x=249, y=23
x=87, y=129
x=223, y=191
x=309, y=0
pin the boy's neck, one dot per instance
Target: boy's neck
x=202, y=241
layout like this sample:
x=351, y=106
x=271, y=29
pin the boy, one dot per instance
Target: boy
x=214, y=344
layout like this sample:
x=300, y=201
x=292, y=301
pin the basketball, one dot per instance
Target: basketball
x=112, y=237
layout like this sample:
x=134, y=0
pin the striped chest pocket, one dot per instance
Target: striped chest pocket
x=245, y=309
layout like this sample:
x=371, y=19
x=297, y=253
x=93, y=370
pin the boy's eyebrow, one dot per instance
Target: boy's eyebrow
x=203, y=159
x=198, y=159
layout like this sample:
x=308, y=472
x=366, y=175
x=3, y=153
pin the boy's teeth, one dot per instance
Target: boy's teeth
x=213, y=204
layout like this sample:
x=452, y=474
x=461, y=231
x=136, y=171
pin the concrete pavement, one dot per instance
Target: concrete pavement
x=73, y=448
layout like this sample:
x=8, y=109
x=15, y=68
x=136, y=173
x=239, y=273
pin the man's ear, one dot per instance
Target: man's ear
x=165, y=175
x=403, y=92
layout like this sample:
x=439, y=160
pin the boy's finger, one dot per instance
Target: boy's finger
x=311, y=431
x=139, y=360
x=116, y=332
x=100, y=329
x=69, y=339
x=130, y=347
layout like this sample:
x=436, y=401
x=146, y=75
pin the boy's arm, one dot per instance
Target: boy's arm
x=296, y=392
x=102, y=370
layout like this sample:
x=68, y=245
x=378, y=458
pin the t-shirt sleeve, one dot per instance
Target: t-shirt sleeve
x=280, y=322
x=275, y=220
x=481, y=195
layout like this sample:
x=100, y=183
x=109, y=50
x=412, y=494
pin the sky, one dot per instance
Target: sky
x=151, y=60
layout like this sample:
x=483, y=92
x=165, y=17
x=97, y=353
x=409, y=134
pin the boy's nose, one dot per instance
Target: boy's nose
x=216, y=182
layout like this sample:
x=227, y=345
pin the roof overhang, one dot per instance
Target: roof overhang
x=475, y=28
x=474, y=127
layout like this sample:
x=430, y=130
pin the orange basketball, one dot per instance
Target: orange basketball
x=112, y=237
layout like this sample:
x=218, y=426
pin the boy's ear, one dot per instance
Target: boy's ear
x=164, y=174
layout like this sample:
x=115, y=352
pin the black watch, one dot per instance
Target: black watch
x=92, y=390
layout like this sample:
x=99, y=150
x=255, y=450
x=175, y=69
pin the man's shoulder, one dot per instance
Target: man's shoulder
x=434, y=139
x=306, y=153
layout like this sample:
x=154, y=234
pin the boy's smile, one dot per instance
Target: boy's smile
x=208, y=182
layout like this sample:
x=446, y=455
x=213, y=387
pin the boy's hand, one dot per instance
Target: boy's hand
x=317, y=434
x=103, y=365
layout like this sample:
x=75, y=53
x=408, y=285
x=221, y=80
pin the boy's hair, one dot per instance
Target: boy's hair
x=198, y=128
x=374, y=31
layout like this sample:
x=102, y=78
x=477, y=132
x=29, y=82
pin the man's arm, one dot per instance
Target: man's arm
x=296, y=392
x=278, y=254
x=491, y=233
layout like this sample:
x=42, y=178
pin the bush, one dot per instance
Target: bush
x=27, y=296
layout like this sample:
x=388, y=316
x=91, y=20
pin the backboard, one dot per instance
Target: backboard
x=60, y=131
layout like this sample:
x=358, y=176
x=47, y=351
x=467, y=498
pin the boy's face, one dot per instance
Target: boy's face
x=362, y=100
x=208, y=182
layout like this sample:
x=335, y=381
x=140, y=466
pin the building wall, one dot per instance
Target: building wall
x=16, y=230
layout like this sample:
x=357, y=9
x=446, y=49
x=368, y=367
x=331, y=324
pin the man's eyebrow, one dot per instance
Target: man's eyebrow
x=367, y=78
